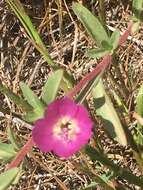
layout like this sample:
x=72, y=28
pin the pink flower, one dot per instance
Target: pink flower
x=65, y=128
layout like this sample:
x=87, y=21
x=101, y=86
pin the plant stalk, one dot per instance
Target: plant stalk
x=118, y=171
x=21, y=154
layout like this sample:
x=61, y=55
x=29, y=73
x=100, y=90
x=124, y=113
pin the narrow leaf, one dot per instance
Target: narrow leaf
x=15, y=98
x=106, y=45
x=97, y=53
x=88, y=88
x=91, y=23
x=138, y=9
x=93, y=184
x=12, y=138
x=103, y=180
x=139, y=110
x=114, y=40
x=106, y=111
x=51, y=87
x=7, y=151
x=32, y=116
x=31, y=98
x=120, y=103
x=135, y=27
x=139, y=106
x=38, y=106
x=7, y=178
x=67, y=82
x=18, y=9
x=18, y=176
x=118, y=171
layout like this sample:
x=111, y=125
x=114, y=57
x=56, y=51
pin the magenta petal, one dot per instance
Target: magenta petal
x=83, y=119
x=48, y=135
x=46, y=145
x=41, y=135
x=53, y=109
x=84, y=137
x=65, y=150
x=67, y=107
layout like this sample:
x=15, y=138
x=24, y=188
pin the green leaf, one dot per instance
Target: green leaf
x=117, y=170
x=93, y=184
x=67, y=82
x=15, y=98
x=7, y=151
x=97, y=53
x=120, y=103
x=91, y=23
x=32, y=116
x=103, y=180
x=51, y=87
x=139, y=109
x=106, y=45
x=18, y=176
x=7, y=178
x=138, y=9
x=139, y=106
x=115, y=39
x=18, y=9
x=106, y=111
x=85, y=92
x=12, y=138
x=31, y=98
x=135, y=27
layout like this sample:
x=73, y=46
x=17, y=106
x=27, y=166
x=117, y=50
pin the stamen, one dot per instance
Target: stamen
x=66, y=129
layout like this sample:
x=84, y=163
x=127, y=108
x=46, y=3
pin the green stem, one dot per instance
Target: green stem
x=119, y=171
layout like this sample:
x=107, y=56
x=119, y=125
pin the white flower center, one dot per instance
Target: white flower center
x=66, y=129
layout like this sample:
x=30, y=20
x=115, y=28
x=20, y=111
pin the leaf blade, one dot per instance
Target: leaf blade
x=15, y=98
x=51, y=86
x=106, y=111
x=91, y=23
x=97, y=53
x=139, y=109
x=137, y=6
x=31, y=98
x=114, y=40
x=7, y=178
x=18, y=9
x=7, y=151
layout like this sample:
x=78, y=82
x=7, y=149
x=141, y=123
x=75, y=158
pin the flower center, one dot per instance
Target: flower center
x=66, y=129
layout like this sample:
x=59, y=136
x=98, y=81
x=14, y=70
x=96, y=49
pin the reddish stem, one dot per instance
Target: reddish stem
x=21, y=154
x=126, y=34
x=100, y=67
